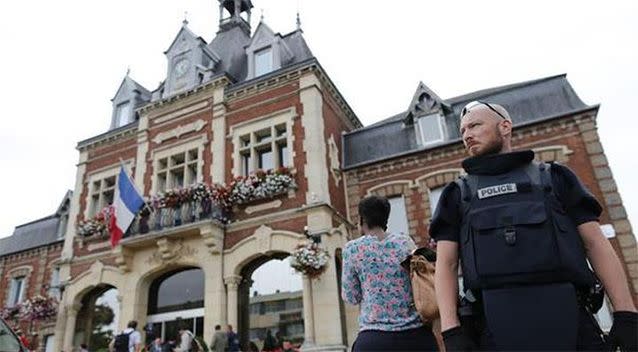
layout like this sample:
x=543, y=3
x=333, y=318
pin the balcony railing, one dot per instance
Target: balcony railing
x=186, y=213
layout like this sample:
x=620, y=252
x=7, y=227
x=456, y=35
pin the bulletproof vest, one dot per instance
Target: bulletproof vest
x=515, y=231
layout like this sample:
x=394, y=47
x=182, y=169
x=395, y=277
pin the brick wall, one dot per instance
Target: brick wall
x=576, y=145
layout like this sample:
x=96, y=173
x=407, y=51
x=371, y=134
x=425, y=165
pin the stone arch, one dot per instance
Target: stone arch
x=98, y=274
x=391, y=188
x=146, y=278
x=241, y=260
x=433, y=180
x=559, y=153
x=264, y=241
x=81, y=285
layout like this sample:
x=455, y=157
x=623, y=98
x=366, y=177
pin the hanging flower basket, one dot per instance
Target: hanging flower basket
x=39, y=308
x=95, y=225
x=309, y=259
x=260, y=185
x=11, y=313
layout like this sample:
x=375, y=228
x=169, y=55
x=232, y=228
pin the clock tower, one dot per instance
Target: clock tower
x=189, y=60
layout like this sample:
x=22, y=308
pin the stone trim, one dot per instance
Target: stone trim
x=612, y=199
x=428, y=182
x=390, y=188
x=559, y=153
x=221, y=81
x=107, y=138
x=178, y=114
x=98, y=175
x=23, y=270
x=285, y=116
x=198, y=142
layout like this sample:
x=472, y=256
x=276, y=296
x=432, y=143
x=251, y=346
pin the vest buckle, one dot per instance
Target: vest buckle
x=510, y=235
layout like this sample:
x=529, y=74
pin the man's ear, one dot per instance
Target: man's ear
x=505, y=127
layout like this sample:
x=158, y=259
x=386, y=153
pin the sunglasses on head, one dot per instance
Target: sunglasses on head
x=474, y=104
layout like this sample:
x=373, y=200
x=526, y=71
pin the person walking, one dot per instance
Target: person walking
x=523, y=232
x=374, y=279
x=128, y=340
x=220, y=340
x=233, y=339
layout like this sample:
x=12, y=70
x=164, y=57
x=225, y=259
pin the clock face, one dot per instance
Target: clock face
x=181, y=67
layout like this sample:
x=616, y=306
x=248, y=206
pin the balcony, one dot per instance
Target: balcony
x=155, y=220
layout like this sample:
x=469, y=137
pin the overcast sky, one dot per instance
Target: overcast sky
x=62, y=62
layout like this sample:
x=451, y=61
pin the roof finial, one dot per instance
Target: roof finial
x=298, y=17
x=262, y=16
x=128, y=70
x=185, y=21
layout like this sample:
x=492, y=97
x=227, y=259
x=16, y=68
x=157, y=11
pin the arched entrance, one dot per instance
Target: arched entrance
x=270, y=299
x=176, y=298
x=98, y=318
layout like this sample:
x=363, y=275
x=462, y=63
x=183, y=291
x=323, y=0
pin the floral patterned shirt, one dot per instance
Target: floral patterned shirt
x=373, y=277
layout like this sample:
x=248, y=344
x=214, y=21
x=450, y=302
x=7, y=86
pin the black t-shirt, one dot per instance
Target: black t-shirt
x=580, y=204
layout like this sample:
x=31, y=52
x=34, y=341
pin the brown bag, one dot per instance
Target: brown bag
x=421, y=267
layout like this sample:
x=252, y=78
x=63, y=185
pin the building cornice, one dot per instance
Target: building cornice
x=101, y=139
x=220, y=80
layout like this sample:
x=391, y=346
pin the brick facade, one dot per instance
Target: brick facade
x=571, y=140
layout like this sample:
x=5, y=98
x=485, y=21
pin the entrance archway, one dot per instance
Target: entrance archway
x=176, y=298
x=98, y=318
x=270, y=298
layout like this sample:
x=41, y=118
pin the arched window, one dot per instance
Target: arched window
x=176, y=291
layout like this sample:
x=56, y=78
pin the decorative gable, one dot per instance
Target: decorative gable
x=266, y=52
x=129, y=96
x=189, y=60
x=424, y=102
x=427, y=115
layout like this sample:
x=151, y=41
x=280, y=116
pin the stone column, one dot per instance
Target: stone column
x=308, y=313
x=215, y=295
x=69, y=332
x=232, y=286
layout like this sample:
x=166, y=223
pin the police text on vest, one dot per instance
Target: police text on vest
x=497, y=190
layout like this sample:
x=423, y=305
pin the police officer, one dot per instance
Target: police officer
x=523, y=232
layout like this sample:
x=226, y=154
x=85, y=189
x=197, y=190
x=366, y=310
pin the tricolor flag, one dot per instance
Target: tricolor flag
x=126, y=203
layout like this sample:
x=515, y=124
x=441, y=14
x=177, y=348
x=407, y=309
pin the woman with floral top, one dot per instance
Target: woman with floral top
x=374, y=278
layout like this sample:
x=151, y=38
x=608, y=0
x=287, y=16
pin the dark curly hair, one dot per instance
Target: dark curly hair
x=374, y=212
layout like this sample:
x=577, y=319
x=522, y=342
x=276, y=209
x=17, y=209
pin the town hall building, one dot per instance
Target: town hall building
x=253, y=113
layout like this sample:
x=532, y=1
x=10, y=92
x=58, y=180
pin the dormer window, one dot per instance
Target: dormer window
x=263, y=61
x=122, y=114
x=431, y=129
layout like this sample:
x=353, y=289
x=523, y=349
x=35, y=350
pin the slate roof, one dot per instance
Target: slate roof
x=527, y=102
x=230, y=46
x=38, y=233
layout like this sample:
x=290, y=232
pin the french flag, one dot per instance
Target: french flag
x=126, y=203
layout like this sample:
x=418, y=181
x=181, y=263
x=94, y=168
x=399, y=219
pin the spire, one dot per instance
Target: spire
x=185, y=21
x=298, y=17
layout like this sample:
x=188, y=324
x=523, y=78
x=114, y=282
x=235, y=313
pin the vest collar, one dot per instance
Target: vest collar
x=495, y=164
